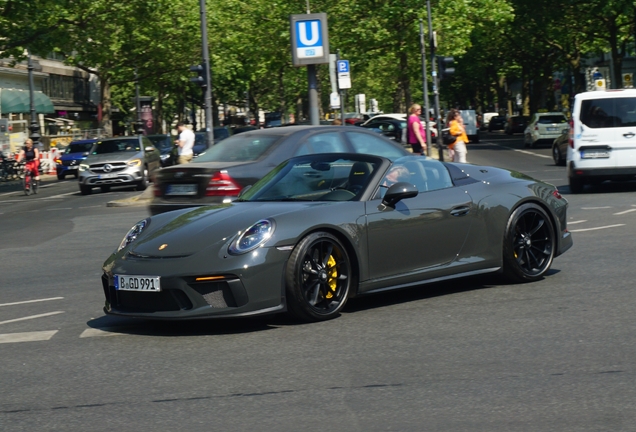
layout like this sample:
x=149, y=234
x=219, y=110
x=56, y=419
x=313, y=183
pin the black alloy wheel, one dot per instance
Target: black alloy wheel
x=318, y=278
x=529, y=244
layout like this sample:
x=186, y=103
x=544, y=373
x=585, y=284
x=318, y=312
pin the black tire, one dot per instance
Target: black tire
x=318, y=278
x=143, y=184
x=556, y=156
x=576, y=184
x=35, y=184
x=85, y=190
x=526, y=141
x=105, y=189
x=76, y=175
x=529, y=244
x=61, y=176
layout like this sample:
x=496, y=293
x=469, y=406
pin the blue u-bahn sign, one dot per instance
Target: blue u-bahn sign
x=309, y=39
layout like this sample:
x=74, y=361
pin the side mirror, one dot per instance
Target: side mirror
x=150, y=149
x=398, y=192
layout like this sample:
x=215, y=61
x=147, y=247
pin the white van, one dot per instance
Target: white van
x=602, y=138
x=470, y=124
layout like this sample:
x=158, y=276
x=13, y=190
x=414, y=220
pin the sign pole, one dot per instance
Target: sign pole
x=313, y=95
x=438, y=118
x=429, y=142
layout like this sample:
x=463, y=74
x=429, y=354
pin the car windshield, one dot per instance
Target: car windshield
x=78, y=148
x=315, y=178
x=244, y=147
x=117, y=146
x=550, y=119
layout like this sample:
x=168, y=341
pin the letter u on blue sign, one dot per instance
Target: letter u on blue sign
x=309, y=39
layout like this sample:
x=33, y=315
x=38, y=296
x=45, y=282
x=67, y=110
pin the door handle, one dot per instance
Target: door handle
x=460, y=211
x=629, y=135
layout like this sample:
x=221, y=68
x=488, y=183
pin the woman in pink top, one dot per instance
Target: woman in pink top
x=416, y=136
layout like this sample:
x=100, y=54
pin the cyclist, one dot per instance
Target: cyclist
x=32, y=157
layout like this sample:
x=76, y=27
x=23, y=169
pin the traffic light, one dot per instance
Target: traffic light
x=200, y=79
x=445, y=66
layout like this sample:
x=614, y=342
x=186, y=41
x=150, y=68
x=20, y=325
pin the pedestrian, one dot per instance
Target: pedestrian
x=416, y=136
x=185, y=143
x=457, y=129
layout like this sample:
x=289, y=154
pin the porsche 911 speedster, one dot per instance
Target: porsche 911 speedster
x=320, y=229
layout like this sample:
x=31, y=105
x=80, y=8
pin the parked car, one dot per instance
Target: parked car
x=545, y=127
x=403, y=117
x=167, y=147
x=486, y=119
x=218, y=175
x=470, y=124
x=69, y=161
x=516, y=124
x=602, y=146
x=496, y=123
x=122, y=161
x=391, y=128
x=560, y=148
x=322, y=228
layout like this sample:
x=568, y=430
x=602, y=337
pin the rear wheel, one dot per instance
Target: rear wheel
x=576, y=185
x=85, y=190
x=318, y=278
x=34, y=185
x=529, y=244
x=556, y=156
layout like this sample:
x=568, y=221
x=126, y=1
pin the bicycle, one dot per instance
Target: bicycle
x=30, y=183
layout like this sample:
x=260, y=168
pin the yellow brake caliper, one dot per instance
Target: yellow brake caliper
x=333, y=276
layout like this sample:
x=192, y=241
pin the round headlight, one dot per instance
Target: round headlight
x=133, y=233
x=252, y=237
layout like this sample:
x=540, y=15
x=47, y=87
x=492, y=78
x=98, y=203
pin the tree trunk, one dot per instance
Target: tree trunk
x=106, y=123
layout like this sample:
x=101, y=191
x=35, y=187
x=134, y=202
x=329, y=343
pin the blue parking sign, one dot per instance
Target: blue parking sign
x=343, y=66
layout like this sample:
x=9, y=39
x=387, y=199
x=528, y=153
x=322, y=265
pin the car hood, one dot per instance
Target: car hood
x=113, y=157
x=209, y=226
x=72, y=156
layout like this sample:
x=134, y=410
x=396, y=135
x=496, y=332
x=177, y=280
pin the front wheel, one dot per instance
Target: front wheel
x=60, y=176
x=143, y=184
x=318, y=278
x=26, y=185
x=85, y=190
x=529, y=244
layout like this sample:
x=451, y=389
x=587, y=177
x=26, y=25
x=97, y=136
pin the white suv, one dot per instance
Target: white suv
x=545, y=128
x=602, y=138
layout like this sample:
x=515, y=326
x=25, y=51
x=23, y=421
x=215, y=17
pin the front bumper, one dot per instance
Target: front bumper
x=129, y=176
x=603, y=172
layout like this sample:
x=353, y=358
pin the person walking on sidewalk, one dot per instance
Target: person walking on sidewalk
x=457, y=129
x=185, y=143
x=416, y=136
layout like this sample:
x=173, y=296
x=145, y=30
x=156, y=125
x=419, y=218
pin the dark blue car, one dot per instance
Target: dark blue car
x=74, y=154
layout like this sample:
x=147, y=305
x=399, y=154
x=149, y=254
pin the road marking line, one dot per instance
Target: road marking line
x=595, y=208
x=576, y=222
x=60, y=195
x=61, y=208
x=95, y=206
x=31, y=301
x=624, y=212
x=592, y=229
x=525, y=152
x=103, y=332
x=32, y=317
x=27, y=337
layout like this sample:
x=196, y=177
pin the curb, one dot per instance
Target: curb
x=137, y=201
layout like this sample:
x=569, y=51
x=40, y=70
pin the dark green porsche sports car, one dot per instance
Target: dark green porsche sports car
x=322, y=228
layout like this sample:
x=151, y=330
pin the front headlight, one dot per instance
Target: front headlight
x=134, y=163
x=164, y=157
x=133, y=233
x=83, y=167
x=252, y=237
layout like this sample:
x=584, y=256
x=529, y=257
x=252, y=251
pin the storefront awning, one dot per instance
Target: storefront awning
x=18, y=101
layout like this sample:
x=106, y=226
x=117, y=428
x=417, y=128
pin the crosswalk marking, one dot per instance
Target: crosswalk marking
x=27, y=337
x=31, y=301
x=31, y=317
x=104, y=331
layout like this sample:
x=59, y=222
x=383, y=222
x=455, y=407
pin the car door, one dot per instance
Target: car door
x=420, y=233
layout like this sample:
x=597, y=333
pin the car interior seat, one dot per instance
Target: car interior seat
x=358, y=176
x=418, y=175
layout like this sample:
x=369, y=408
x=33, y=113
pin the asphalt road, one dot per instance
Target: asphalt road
x=469, y=355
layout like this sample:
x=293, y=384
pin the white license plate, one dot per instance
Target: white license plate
x=137, y=283
x=181, y=189
x=552, y=129
x=106, y=176
x=594, y=154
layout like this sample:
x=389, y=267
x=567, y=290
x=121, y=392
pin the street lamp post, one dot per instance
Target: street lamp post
x=35, y=126
x=207, y=98
x=139, y=124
